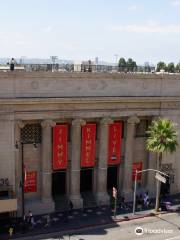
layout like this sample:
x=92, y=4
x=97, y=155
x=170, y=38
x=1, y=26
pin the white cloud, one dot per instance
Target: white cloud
x=175, y=3
x=146, y=28
x=134, y=8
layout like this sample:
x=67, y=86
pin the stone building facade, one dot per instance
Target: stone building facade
x=31, y=104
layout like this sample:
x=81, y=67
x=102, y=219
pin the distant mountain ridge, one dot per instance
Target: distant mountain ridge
x=34, y=61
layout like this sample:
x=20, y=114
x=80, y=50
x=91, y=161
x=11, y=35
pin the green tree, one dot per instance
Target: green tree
x=161, y=66
x=171, y=67
x=178, y=67
x=162, y=138
x=122, y=64
x=131, y=65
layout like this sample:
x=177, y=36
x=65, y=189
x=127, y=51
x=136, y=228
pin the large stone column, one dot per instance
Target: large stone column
x=102, y=198
x=18, y=165
x=46, y=165
x=129, y=144
x=75, y=196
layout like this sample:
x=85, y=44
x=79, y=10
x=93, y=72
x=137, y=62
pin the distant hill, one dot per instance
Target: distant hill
x=34, y=61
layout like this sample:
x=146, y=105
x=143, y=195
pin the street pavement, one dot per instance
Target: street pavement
x=162, y=227
x=78, y=220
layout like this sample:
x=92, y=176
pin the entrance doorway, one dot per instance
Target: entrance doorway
x=86, y=179
x=59, y=183
x=112, y=177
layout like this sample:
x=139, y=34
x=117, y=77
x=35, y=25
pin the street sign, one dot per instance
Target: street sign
x=160, y=178
x=114, y=192
x=115, y=200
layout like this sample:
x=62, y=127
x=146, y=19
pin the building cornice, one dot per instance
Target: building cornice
x=85, y=100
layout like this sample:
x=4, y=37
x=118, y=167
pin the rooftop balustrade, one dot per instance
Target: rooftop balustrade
x=77, y=68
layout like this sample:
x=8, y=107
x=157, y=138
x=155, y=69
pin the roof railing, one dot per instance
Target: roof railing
x=56, y=67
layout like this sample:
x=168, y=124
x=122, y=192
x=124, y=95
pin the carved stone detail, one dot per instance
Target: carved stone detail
x=20, y=124
x=133, y=120
x=106, y=121
x=78, y=122
x=48, y=123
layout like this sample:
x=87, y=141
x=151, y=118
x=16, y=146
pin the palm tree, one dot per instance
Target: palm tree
x=162, y=138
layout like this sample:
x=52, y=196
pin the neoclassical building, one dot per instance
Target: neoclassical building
x=75, y=136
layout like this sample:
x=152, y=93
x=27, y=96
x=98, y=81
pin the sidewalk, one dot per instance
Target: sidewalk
x=68, y=222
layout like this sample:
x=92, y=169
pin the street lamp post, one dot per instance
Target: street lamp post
x=135, y=184
x=22, y=174
x=22, y=180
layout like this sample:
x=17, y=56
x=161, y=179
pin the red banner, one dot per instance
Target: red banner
x=136, y=166
x=60, y=133
x=30, y=181
x=115, y=132
x=88, y=145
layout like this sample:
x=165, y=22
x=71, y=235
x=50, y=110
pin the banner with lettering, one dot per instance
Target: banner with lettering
x=115, y=133
x=60, y=145
x=30, y=181
x=88, y=145
x=136, y=166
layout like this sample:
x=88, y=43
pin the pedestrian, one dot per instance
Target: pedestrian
x=32, y=222
x=70, y=205
x=140, y=202
x=11, y=232
x=47, y=221
x=12, y=64
x=30, y=217
x=146, y=199
x=122, y=203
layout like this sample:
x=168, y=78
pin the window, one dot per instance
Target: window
x=31, y=133
x=141, y=128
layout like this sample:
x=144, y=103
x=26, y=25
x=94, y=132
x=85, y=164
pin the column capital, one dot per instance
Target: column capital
x=133, y=120
x=48, y=123
x=106, y=121
x=78, y=122
x=20, y=124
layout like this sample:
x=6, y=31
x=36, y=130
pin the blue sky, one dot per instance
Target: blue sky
x=84, y=29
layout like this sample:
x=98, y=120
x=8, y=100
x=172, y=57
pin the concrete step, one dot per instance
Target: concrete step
x=88, y=199
x=61, y=203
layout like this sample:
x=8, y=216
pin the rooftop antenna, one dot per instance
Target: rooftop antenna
x=22, y=60
x=53, y=59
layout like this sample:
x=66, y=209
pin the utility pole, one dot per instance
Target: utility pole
x=53, y=59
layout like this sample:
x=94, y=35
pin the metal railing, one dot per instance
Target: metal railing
x=76, y=68
x=82, y=68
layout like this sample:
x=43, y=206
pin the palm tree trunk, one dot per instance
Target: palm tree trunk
x=158, y=184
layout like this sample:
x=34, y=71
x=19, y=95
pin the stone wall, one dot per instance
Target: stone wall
x=19, y=84
x=7, y=151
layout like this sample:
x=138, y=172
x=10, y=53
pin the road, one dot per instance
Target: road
x=162, y=227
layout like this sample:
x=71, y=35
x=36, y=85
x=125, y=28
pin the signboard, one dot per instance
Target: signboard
x=60, y=144
x=115, y=132
x=114, y=192
x=8, y=205
x=88, y=145
x=160, y=178
x=30, y=181
x=136, y=166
